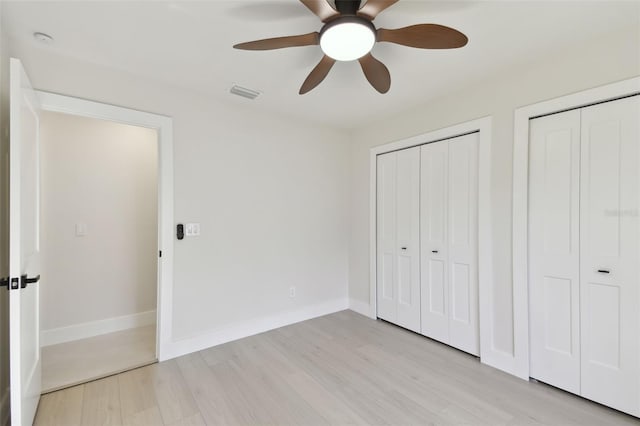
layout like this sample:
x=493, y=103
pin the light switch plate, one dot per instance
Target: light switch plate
x=192, y=230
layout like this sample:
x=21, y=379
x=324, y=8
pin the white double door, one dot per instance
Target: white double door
x=584, y=257
x=427, y=227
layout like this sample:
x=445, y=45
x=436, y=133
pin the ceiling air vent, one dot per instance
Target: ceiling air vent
x=244, y=92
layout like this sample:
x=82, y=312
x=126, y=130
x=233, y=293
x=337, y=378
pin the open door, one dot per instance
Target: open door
x=24, y=248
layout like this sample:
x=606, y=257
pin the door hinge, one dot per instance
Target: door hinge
x=15, y=283
x=160, y=253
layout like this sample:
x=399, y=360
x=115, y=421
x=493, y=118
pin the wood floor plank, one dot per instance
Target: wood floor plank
x=62, y=408
x=147, y=417
x=245, y=408
x=172, y=393
x=207, y=390
x=137, y=393
x=102, y=402
x=194, y=420
x=294, y=409
x=334, y=410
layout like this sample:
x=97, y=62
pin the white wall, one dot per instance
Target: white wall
x=4, y=222
x=592, y=64
x=270, y=194
x=103, y=175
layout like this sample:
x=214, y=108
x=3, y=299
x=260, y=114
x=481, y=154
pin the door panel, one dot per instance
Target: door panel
x=408, y=245
x=603, y=158
x=24, y=247
x=386, y=246
x=558, y=300
x=437, y=289
x=462, y=225
x=554, y=176
x=461, y=293
x=610, y=241
x=433, y=241
x=603, y=325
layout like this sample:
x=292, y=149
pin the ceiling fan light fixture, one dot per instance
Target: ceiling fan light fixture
x=347, y=38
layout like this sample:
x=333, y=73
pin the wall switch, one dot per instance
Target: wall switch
x=192, y=230
x=81, y=229
x=292, y=292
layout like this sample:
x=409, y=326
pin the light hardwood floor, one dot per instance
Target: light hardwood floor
x=70, y=363
x=338, y=369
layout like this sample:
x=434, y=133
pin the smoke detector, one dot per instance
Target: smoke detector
x=43, y=38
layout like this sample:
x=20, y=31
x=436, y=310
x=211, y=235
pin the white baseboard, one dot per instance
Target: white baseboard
x=4, y=407
x=249, y=328
x=96, y=328
x=360, y=307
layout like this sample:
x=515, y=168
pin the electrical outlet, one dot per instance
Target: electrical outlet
x=292, y=292
x=81, y=229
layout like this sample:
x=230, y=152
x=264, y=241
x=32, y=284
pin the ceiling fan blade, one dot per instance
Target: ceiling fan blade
x=280, y=42
x=424, y=36
x=317, y=74
x=322, y=9
x=376, y=72
x=372, y=8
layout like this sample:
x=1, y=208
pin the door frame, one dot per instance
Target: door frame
x=164, y=127
x=519, y=364
x=485, y=243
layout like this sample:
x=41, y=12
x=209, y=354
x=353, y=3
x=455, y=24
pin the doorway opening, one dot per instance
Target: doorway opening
x=99, y=248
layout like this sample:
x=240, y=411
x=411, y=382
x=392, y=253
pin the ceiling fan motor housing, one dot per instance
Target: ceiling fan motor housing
x=347, y=19
x=348, y=7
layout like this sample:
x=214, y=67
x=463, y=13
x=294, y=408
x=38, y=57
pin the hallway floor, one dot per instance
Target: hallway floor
x=72, y=363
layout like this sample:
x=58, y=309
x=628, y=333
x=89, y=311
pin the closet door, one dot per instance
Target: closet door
x=462, y=224
x=433, y=240
x=408, y=238
x=449, y=239
x=554, y=297
x=386, y=231
x=398, y=269
x=610, y=256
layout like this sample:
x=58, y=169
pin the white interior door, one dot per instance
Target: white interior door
x=449, y=239
x=24, y=247
x=554, y=249
x=408, y=238
x=610, y=255
x=462, y=224
x=433, y=240
x=398, y=257
x=387, y=298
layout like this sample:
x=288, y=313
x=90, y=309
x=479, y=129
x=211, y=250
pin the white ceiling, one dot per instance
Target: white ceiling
x=189, y=44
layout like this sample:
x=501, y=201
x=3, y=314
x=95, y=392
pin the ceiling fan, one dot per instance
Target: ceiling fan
x=349, y=34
